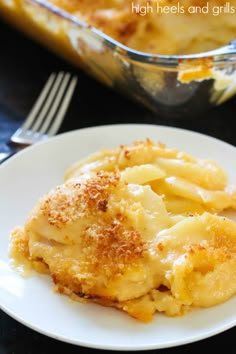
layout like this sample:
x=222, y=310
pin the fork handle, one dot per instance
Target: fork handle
x=5, y=155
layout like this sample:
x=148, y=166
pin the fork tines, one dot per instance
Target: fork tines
x=45, y=117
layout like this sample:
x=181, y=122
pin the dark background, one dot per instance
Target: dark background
x=24, y=68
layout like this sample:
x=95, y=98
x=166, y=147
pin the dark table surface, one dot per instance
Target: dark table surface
x=24, y=67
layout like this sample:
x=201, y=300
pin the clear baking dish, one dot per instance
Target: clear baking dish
x=179, y=85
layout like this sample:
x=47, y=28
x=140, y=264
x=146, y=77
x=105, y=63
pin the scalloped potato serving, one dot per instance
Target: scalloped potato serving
x=136, y=228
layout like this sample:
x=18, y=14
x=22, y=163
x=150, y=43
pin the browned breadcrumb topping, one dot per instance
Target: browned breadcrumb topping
x=75, y=200
x=102, y=205
x=107, y=252
x=221, y=249
x=112, y=246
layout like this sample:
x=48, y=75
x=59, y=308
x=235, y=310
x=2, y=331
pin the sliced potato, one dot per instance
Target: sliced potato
x=142, y=174
x=215, y=200
x=178, y=205
x=205, y=173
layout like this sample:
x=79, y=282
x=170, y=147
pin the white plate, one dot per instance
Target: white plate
x=31, y=173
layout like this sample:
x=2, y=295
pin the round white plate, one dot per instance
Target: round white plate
x=32, y=172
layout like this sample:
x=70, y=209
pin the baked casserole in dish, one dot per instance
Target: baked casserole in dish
x=175, y=57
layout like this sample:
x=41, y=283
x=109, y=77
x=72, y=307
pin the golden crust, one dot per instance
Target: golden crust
x=176, y=30
x=76, y=200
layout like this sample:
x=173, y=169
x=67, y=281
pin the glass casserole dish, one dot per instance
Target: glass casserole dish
x=170, y=85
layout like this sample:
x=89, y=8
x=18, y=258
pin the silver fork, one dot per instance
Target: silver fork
x=46, y=115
